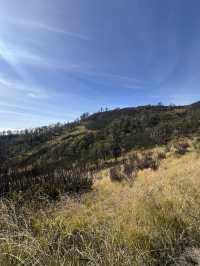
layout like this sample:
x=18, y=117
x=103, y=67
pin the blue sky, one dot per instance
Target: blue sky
x=61, y=58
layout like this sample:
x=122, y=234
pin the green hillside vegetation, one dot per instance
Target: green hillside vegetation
x=99, y=137
x=114, y=188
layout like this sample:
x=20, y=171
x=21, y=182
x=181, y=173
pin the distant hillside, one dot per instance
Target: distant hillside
x=99, y=137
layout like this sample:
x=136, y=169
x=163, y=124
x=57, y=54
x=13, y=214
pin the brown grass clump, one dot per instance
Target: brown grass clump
x=150, y=223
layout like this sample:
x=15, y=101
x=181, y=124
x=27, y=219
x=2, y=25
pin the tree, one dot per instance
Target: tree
x=84, y=116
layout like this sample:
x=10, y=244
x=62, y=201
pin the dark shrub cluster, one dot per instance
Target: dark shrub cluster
x=129, y=169
x=52, y=183
x=182, y=148
x=148, y=161
x=116, y=174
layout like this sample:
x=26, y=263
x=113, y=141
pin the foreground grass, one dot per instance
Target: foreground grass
x=150, y=223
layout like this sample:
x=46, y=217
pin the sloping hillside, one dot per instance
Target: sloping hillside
x=99, y=137
x=140, y=206
x=155, y=221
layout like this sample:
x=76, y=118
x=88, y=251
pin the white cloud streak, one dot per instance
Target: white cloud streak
x=28, y=90
x=17, y=57
x=45, y=27
x=116, y=76
x=45, y=112
x=41, y=26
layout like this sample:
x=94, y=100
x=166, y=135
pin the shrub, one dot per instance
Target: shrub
x=130, y=170
x=74, y=180
x=161, y=155
x=182, y=148
x=51, y=183
x=148, y=161
x=127, y=172
x=116, y=175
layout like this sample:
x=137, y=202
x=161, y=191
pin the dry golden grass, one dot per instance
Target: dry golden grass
x=175, y=178
x=149, y=223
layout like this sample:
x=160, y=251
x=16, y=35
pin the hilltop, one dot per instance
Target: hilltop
x=97, y=138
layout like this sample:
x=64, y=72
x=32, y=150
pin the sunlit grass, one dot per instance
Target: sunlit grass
x=150, y=223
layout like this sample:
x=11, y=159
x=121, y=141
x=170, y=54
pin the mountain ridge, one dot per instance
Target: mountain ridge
x=100, y=136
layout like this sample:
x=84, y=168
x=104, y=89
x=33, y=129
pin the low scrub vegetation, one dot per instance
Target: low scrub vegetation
x=128, y=170
x=182, y=148
x=148, y=161
x=52, y=183
x=150, y=223
x=116, y=174
x=98, y=137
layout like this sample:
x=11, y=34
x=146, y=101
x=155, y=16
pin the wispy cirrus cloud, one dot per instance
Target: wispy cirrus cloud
x=29, y=90
x=53, y=113
x=45, y=27
x=116, y=76
x=25, y=59
x=42, y=26
x=20, y=55
x=12, y=59
x=18, y=58
x=91, y=77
